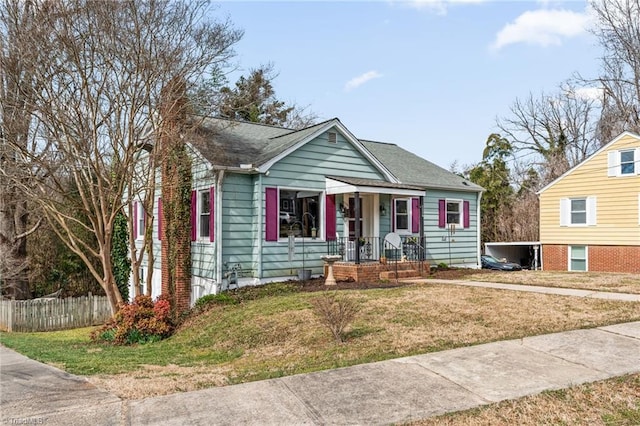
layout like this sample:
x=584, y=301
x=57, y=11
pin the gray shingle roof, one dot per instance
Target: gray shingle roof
x=414, y=170
x=231, y=143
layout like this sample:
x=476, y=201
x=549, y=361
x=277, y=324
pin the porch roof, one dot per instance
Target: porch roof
x=346, y=185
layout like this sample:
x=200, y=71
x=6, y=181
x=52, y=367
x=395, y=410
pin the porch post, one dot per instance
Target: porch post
x=356, y=226
x=423, y=243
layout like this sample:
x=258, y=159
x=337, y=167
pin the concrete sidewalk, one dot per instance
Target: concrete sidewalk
x=387, y=392
x=409, y=388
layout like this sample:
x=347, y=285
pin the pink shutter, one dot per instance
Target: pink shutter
x=159, y=218
x=466, y=220
x=271, y=214
x=415, y=215
x=135, y=220
x=330, y=215
x=212, y=216
x=194, y=213
x=442, y=214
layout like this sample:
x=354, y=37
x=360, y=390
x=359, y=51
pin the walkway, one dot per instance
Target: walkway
x=623, y=297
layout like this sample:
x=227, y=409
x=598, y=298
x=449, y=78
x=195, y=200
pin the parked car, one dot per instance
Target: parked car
x=490, y=262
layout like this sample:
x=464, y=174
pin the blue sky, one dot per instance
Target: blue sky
x=429, y=75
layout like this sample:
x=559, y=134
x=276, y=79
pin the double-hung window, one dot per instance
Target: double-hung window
x=577, y=258
x=579, y=211
x=624, y=162
x=402, y=215
x=454, y=213
x=140, y=220
x=627, y=162
x=204, y=214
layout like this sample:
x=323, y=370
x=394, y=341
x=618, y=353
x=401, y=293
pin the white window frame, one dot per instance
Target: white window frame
x=406, y=230
x=615, y=162
x=633, y=162
x=200, y=193
x=570, y=257
x=571, y=211
x=141, y=221
x=591, y=213
x=460, y=204
x=319, y=219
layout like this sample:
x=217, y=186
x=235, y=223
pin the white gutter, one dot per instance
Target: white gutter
x=478, y=227
x=218, y=228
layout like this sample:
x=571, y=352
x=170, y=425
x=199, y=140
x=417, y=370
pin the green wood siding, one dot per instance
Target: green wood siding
x=463, y=246
x=306, y=169
x=238, y=223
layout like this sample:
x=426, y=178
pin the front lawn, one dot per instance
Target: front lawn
x=279, y=335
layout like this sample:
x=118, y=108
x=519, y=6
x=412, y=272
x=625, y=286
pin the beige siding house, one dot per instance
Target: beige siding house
x=590, y=216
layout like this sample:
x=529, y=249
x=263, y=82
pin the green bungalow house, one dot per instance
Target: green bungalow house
x=269, y=202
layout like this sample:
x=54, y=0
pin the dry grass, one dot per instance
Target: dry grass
x=620, y=283
x=610, y=402
x=287, y=338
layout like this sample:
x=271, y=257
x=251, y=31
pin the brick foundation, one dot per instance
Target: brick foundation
x=600, y=258
x=368, y=272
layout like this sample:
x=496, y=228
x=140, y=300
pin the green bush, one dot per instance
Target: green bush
x=142, y=321
x=214, y=299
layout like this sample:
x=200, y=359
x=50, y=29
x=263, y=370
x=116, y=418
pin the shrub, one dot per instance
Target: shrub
x=335, y=311
x=142, y=321
x=217, y=299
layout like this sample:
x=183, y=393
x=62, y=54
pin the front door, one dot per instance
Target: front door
x=366, y=245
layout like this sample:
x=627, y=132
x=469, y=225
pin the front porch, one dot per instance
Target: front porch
x=375, y=259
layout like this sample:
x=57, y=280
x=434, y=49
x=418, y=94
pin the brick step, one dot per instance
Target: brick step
x=402, y=273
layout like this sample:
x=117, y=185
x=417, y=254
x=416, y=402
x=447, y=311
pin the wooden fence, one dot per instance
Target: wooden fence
x=53, y=314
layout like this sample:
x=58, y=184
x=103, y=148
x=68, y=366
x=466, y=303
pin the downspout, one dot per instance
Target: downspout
x=218, y=229
x=478, y=228
x=259, y=215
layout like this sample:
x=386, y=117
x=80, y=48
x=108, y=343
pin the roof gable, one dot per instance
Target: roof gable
x=589, y=158
x=293, y=141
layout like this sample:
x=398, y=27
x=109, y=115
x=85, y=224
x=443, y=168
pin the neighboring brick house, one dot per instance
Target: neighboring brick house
x=590, y=216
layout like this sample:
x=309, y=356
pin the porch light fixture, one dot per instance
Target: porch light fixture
x=383, y=210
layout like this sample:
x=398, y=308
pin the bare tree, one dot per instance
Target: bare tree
x=17, y=18
x=95, y=99
x=559, y=129
x=618, y=31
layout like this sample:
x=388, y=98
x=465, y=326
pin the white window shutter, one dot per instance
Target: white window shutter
x=565, y=212
x=591, y=211
x=614, y=163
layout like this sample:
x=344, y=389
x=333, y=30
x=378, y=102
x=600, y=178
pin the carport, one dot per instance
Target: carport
x=526, y=253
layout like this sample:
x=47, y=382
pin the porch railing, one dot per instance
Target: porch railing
x=375, y=249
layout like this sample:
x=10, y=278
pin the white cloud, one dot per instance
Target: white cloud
x=439, y=6
x=588, y=93
x=361, y=79
x=542, y=27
